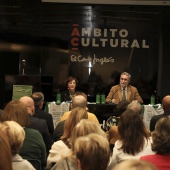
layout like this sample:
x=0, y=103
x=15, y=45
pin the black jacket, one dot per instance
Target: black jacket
x=41, y=126
x=39, y=113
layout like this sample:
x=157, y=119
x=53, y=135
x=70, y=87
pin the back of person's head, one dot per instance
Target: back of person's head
x=92, y=152
x=77, y=93
x=134, y=164
x=135, y=106
x=15, y=134
x=38, y=98
x=166, y=103
x=29, y=103
x=131, y=127
x=79, y=101
x=75, y=116
x=85, y=127
x=121, y=107
x=161, y=136
x=5, y=153
x=16, y=111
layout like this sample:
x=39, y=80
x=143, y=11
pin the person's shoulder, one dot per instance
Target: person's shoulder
x=36, y=119
x=147, y=157
x=65, y=115
x=31, y=131
x=132, y=87
x=116, y=86
x=91, y=115
x=113, y=128
x=157, y=117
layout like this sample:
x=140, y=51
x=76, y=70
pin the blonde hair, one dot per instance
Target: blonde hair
x=75, y=116
x=134, y=165
x=85, y=127
x=92, y=151
x=5, y=152
x=15, y=134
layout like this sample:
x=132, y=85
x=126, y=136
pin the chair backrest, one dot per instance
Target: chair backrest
x=35, y=163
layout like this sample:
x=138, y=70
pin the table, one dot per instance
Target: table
x=102, y=111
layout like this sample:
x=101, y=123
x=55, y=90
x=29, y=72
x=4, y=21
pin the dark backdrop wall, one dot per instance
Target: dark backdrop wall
x=44, y=44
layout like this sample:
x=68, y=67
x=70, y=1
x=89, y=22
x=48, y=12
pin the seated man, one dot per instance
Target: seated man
x=38, y=98
x=35, y=123
x=123, y=91
x=166, y=108
x=79, y=100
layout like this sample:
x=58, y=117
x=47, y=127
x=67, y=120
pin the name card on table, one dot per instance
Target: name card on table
x=57, y=110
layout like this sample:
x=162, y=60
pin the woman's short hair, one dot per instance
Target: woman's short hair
x=85, y=127
x=161, y=136
x=16, y=111
x=134, y=164
x=15, y=134
x=71, y=78
x=92, y=151
x=75, y=116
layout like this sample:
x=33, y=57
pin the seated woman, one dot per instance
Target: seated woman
x=71, y=84
x=16, y=135
x=33, y=146
x=92, y=152
x=83, y=128
x=61, y=148
x=161, y=145
x=134, y=139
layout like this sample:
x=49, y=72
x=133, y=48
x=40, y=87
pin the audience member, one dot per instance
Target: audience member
x=113, y=133
x=5, y=153
x=35, y=123
x=80, y=101
x=113, y=120
x=132, y=133
x=166, y=108
x=68, y=94
x=16, y=135
x=134, y=164
x=33, y=146
x=123, y=91
x=92, y=152
x=38, y=98
x=134, y=106
x=160, y=145
x=62, y=147
x=83, y=128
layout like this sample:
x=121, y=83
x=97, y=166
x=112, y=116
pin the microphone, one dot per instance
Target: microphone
x=113, y=95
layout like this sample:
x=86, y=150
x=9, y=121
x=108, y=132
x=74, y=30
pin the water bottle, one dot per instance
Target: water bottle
x=58, y=98
x=152, y=102
x=97, y=98
x=103, y=98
